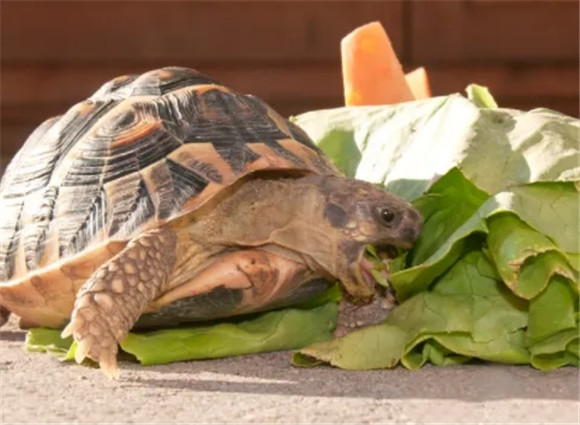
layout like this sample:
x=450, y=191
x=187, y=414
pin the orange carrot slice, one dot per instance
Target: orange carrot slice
x=419, y=83
x=371, y=71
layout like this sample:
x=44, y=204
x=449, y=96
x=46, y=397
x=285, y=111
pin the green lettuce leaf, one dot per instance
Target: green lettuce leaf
x=556, y=351
x=277, y=330
x=285, y=329
x=45, y=340
x=526, y=259
x=528, y=202
x=450, y=202
x=480, y=96
x=553, y=333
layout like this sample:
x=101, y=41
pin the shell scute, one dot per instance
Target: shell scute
x=164, y=80
x=118, y=88
x=142, y=150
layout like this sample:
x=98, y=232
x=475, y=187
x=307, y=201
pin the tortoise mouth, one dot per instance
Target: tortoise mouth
x=376, y=269
x=372, y=271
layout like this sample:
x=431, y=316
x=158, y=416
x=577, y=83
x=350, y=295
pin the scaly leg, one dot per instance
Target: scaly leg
x=352, y=316
x=114, y=297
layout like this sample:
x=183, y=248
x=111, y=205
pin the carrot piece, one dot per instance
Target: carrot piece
x=419, y=83
x=371, y=71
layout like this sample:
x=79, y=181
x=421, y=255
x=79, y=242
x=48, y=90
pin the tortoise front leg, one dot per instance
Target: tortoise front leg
x=111, y=301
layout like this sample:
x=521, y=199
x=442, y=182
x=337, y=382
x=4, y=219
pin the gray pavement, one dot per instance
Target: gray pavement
x=36, y=388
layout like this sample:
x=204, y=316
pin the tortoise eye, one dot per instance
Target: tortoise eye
x=387, y=216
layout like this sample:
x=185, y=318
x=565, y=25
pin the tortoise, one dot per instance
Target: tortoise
x=167, y=197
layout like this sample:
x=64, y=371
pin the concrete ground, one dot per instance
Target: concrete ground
x=37, y=388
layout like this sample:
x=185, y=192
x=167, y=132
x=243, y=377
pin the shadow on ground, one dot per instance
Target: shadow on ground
x=273, y=374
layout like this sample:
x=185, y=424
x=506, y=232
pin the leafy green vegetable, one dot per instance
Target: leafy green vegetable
x=480, y=96
x=553, y=332
x=409, y=146
x=340, y=147
x=451, y=201
x=276, y=330
x=494, y=275
x=559, y=350
x=380, y=266
x=554, y=222
x=526, y=260
x=47, y=341
x=468, y=314
x=544, y=319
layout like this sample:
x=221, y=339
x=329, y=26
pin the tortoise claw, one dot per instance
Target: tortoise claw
x=94, y=342
x=108, y=364
x=70, y=329
x=82, y=350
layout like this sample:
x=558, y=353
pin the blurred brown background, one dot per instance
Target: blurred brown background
x=56, y=53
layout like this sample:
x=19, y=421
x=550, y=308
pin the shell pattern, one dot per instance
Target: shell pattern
x=139, y=152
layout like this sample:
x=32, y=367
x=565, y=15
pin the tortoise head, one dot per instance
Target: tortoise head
x=358, y=214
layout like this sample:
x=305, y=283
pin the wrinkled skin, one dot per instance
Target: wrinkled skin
x=327, y=220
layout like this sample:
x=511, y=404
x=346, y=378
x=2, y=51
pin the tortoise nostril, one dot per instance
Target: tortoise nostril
x=413, y=215
x=408, y=234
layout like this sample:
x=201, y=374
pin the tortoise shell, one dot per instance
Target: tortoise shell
x=139, y=152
